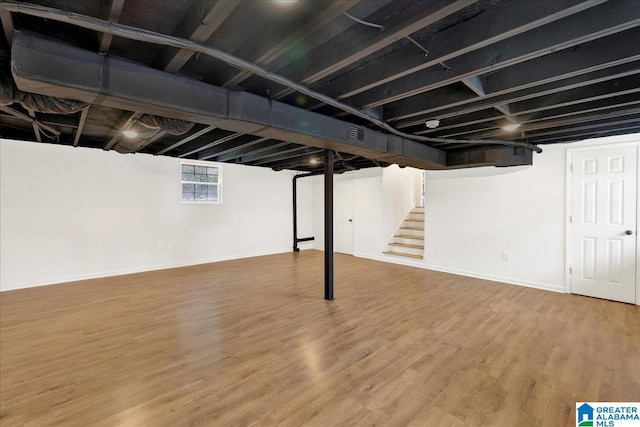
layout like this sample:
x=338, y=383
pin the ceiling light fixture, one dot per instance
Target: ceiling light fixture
x=511, y=127
x=313, y=161
x=432, y=124
x=286, y=1
x=130, y=133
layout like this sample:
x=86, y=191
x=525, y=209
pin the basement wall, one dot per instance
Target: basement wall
x=76, y=213
x=382, y=198
x=473, y=217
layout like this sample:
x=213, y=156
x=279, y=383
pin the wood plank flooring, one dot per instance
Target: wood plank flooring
x=252, y=342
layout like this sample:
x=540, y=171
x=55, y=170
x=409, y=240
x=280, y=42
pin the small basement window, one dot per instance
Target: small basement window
x=201, y=183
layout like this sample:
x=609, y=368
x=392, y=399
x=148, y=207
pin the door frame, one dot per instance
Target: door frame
x=569, y=194
x=347, y=176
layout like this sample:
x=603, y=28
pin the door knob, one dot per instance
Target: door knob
x=350, y=220
x=628, y=232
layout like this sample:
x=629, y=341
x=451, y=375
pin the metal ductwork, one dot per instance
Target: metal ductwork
x=52, y=68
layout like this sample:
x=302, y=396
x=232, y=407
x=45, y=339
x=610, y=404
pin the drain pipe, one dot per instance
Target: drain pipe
x=295, y=210
x=180, y=43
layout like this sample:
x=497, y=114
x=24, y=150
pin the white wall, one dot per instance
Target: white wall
x=472, y=220
x=382, y=198
x=73, y=213
x=399, y=194
x=473, y=216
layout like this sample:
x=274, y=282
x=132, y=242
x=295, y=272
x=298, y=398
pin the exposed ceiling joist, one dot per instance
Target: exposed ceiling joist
x=485, y=29
x=34, y=124
x=212, y=144
x=553, y=101
x=603, y=60
x=334, y=58
x=282, y=153
x=200, y=22
x=111, y=13
x=548, y=124
x=287, y=156
x=616, y=129
x=81, y=122
x=244, y=142
x=258, y=146
x=188, y=138
x=333, y=11
x=597, y=22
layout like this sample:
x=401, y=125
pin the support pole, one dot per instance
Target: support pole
x=295, y=215
x=328, y=225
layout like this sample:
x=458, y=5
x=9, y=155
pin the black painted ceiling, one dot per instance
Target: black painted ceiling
x=564, y=70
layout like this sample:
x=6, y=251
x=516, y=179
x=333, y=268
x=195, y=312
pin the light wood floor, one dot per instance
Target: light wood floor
x=252, y=342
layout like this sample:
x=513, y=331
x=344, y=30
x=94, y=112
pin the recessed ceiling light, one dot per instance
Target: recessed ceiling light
x=432, y=124
x=130, y=133
x=286, y=1
x=511, y=127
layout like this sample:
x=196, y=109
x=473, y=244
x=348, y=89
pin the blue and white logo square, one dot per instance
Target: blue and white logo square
x=608, y=414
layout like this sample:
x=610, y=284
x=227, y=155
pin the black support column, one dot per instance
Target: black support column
x=328, y=225
x=295, y=215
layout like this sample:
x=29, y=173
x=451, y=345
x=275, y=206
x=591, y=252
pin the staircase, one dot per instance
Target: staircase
x=408, y=240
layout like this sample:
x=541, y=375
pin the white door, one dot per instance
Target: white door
x=603, y=223
x=343, y=206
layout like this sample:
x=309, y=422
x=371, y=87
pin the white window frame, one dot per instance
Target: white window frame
x=218, y=184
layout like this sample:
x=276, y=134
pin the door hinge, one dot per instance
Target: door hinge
x=571, y=219
x=570, y=270
x=571, y=167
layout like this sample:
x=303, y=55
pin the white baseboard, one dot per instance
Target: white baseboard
x=421, y=264
x=121, y=272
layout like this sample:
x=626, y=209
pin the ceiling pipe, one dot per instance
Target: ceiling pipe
x=165, y=40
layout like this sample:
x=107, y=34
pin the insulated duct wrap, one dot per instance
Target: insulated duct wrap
x=10, y=94
x=7, y=88
x=165, y=124
x=49, y=104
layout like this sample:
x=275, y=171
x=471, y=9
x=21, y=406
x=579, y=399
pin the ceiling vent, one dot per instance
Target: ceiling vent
x=356, y=133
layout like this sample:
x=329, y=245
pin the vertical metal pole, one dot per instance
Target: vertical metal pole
x=328, y=225
x=295, y=215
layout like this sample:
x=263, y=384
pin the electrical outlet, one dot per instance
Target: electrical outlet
x=505, y=256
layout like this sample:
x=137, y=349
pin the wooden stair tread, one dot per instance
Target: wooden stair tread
x=406, y=227
x=403, y=254
x=409, y=236
x=414, y=220
x=407, y=245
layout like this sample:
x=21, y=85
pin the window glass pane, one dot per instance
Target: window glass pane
x=187, y=176
x=187, y=192
x=212, y=195
x=200, y=177
x=187, y=168
x=201, y=192
x=212, y=178
x=201, y=169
